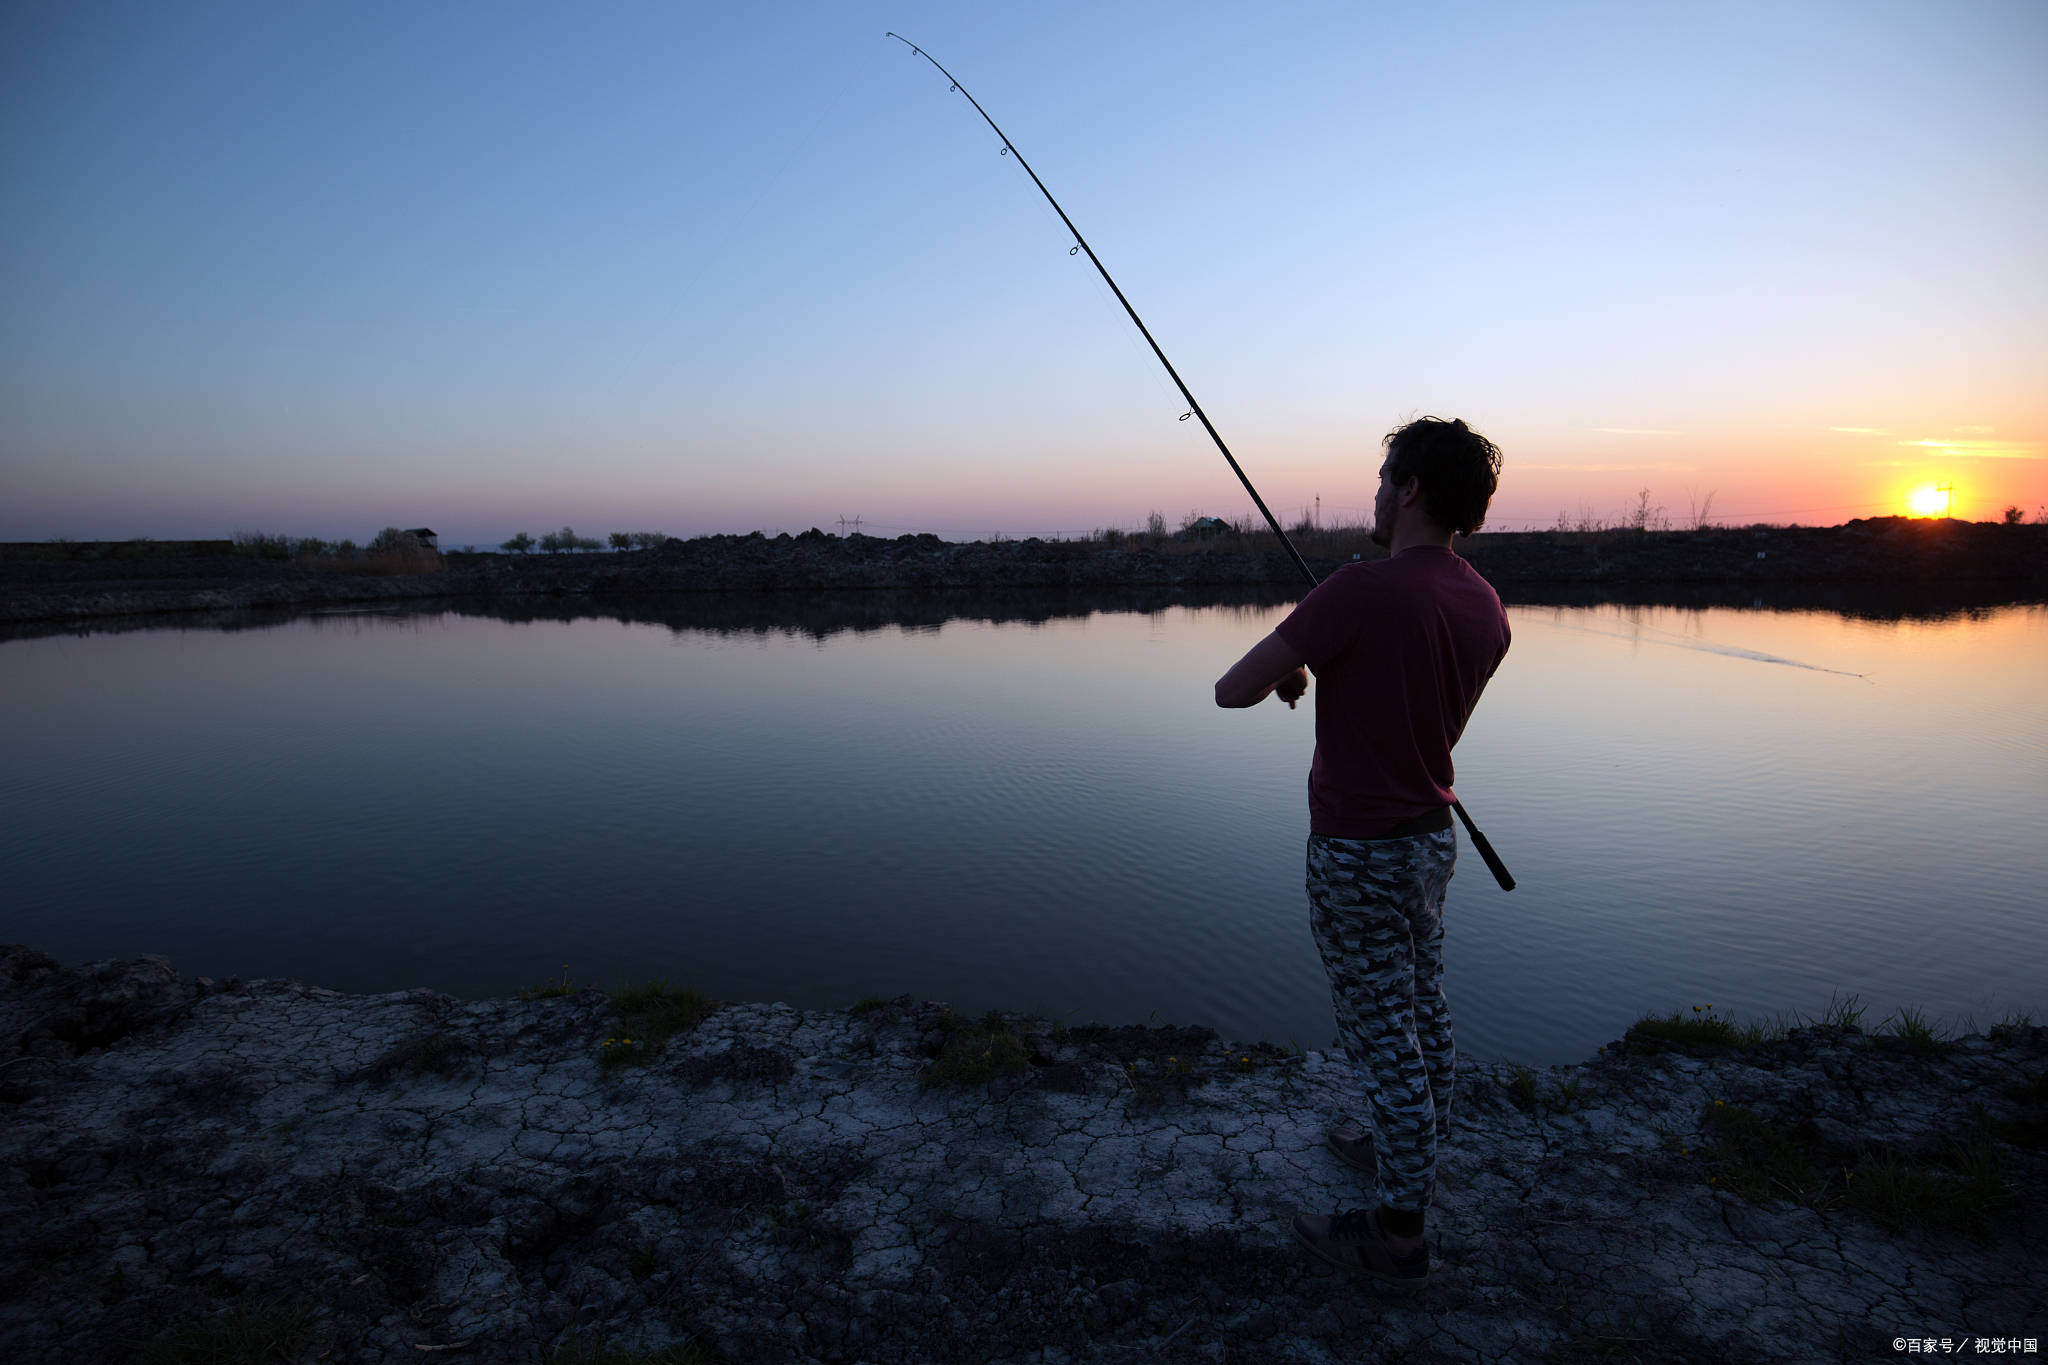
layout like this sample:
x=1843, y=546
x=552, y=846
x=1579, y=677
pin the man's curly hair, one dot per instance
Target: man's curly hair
x=1459, y=469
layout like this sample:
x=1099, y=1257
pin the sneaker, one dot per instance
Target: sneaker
x=1353, y=1241
x=1353, y=1142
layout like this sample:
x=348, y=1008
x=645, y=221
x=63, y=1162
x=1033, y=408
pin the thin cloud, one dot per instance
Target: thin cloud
x=1975, y=431
x=1637, y=431
x=1862, y=431
x=1979, y=450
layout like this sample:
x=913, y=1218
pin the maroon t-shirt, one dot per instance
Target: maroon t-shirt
x=1401, y=649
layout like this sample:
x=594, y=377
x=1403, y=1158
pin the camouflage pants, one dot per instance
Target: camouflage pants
x=1376, y=907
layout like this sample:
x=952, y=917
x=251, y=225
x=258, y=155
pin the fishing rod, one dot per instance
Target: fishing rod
x=1492, y=859
x=1081, y=244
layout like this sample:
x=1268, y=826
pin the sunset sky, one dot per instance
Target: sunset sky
x=316, y=269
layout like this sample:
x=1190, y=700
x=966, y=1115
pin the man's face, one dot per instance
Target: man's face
x=1383, y=509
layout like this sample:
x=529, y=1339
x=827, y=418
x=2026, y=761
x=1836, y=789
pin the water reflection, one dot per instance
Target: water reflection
x=1027, y=802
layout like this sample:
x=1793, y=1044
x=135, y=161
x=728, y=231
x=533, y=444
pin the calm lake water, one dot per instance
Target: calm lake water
x=1752, y=808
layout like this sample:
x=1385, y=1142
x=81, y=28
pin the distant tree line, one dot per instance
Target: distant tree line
x=259, y=545
x=566, y=541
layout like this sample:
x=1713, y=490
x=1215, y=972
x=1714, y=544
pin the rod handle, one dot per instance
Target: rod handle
x=1494, y=865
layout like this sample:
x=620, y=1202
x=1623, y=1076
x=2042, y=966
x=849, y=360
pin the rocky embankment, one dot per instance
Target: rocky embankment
x=190, y=1167
x=1890, y=551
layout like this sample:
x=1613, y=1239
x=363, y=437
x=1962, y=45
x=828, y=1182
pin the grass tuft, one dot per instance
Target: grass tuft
x=1910, y=1028
x=975, y=1054
x=1702, y=1027
x=1758, y=1161
x=648, y=1014
x=1959, y=1193
x=1958, y=1190
x=249, y=1333
x=423, y=1054
x=2030, y=1129
x=577, y=1349
x=1842, y=1012
x=1522, y=1089
x=550, y=990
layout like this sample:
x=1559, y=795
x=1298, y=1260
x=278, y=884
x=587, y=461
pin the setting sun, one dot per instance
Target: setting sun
x=1928, y=501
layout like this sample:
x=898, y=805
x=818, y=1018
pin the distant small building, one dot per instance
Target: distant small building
x=427, y=539
x=1202, y=528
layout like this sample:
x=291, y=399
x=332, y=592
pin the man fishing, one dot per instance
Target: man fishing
x=1401, y=649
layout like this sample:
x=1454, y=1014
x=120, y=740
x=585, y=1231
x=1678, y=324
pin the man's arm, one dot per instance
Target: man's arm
x=1269, y=666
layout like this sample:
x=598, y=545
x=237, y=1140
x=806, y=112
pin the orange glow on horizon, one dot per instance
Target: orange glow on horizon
x=1928, y=500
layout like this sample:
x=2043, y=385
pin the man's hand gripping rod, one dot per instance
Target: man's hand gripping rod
x=1492, y=859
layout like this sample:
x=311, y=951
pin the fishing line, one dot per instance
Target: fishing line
x=1479, y=841
x=1676, y=641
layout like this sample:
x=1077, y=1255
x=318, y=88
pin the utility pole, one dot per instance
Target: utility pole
x=1319, y=511
x=842, y=527
x=1949, y=489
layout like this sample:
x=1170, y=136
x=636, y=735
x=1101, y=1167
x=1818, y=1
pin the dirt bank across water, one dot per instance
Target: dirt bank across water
x=408, y=1176
x=71, y=583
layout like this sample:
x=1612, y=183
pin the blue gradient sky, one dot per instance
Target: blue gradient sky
x=316, y=269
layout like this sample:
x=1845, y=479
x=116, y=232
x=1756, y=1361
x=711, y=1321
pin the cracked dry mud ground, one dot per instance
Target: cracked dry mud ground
x=424, y=1178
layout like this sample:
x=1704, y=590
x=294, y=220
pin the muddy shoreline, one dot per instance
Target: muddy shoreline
x=409, y=1176
x=1980, y=562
